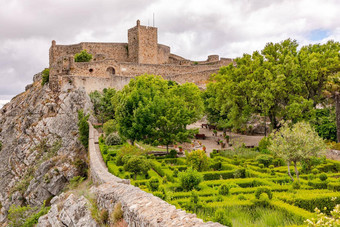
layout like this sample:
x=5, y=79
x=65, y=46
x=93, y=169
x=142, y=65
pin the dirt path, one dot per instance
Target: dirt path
x=210, y=141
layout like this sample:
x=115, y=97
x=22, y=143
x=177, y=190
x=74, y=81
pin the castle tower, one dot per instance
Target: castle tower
x=143, y=44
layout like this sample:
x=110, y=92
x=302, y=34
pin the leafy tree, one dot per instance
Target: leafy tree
x=113, y=139
x=137, y=164
x=110, y=126
x=198, y=160
x=324, y=123
x=280, y=82
x=190, y=179
x=45, y=76
x=102, y=104
x=153, y=110
x=297, y=143
x=83, y=127
x=83, y=56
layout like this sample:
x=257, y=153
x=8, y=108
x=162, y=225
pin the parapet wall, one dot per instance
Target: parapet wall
x=140, y=208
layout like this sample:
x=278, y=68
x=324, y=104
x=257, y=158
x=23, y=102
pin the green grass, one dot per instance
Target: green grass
x=150, y=148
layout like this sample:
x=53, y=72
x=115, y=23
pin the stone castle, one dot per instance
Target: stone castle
x=114, y=64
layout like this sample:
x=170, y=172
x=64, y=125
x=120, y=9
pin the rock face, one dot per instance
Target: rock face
x=68, y=211
x=41, y=151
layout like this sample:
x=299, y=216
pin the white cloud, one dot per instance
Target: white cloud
x=193, y=28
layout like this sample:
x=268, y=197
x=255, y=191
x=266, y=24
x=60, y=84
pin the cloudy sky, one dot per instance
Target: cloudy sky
x=192, y=28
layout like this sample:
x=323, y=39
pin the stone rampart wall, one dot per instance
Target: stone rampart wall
x=140, y=208
x=117, y=51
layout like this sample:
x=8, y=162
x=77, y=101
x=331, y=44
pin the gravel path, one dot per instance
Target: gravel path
x=210, y=141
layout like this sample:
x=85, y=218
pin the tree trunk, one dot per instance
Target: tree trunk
x=288, y=164
x=296, y=172
x=167, y=148
x=337, y=114
x=265, y=125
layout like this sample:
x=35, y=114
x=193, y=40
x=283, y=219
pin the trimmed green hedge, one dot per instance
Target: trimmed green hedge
x=291, y=210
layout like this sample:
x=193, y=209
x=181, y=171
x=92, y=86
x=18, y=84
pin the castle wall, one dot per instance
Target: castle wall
x=91, y=84
x=130, y=69
x=100, y=51
x=163, y=54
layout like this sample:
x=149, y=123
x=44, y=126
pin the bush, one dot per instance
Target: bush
x=264, y=159
x=296, y=185
x=315, y=171
x=137, y=164
x=172, y=154
x=113, y=139
x=259, y=191
x=323, y=177
x=83, y=56
x=198, y=160
x=45, y=75
x=109, y=127
x=190, y=179
x=153, y=184
x=224, y=189
x=264, y=143
x=222, y=218
x=323, y=220
x=83, y=127
x=335, y=186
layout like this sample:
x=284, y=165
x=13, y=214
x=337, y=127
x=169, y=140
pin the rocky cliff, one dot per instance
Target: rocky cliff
x=40, y=148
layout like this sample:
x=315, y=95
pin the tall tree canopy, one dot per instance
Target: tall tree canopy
x=280, y=82
x=155, y=111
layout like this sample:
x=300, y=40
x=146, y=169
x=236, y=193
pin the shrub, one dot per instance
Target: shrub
x=198, y=160
x=221, y=217
x=113, y=139
x=241, y=197
x=323, y=220
x=153, y=184
x=172, y=154
x=323, y=177
x=296, y=185
x=318, y=184
x=0, y=145
x=259, y=191
x=83, y=127
x=335, y=186
x=315, y=171
x=264, y=143
x=109, y=127
x=224, y=189
x=83, y=56
x=175, y=173
x=190, y=179
x=45, y=75
x=264, y=159
x=137, y=164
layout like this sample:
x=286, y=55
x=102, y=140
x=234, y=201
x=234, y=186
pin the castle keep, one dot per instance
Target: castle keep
x=114, y=64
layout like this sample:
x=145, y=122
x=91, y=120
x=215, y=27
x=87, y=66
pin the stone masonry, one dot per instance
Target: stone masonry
x=142, y=54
